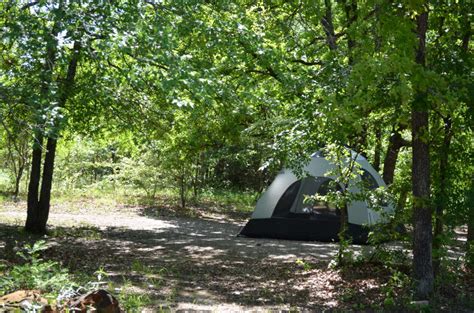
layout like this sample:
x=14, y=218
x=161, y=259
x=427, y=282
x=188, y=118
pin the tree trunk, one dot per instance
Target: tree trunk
x=39, y=203
x=395, y=143
x=342, y=235
x=422, y=236
x=37, y=154
x=196, y=180
x=470, y=230
x=46, y=184
x=351, y=16
x=422, y=233
x=328, y=26
x=18, y=177
x=33, y=186
x=442, y=193
x=465, y=21
x=182, y=191
x=378, y=148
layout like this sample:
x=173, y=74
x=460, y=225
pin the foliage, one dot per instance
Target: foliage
x=35, y=273
x=196, y=96
x=133, y=302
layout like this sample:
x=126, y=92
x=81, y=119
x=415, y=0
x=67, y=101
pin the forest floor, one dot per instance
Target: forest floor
x=193, y=260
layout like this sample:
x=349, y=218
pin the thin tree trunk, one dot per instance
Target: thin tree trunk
x=470, y=230
x=342, y=235
x=395, y=143
x=196, y=179
x=378, y=148
x=328, y=26
x=18, y=178
x=182, y=192
x=351, y=15
x=422, y=234
x=378, y=128
x=442, y=194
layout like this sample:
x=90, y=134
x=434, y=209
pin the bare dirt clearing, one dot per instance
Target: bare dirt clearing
x=199, y=263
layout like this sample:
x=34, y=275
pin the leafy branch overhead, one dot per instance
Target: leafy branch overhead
x=198, y=97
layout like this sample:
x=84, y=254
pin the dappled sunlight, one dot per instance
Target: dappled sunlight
x=203, y=252
x=188, y=260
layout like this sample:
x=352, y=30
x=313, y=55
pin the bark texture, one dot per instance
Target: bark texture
x=33, y=186
x=378, y=149
x=328, y=26
x=422, y=232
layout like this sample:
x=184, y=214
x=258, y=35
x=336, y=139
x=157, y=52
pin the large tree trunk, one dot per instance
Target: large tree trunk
x=46, y=184
x=465, y=21
x=33, y=186
x=442, y=193
x=422, y=233
x=422, y=236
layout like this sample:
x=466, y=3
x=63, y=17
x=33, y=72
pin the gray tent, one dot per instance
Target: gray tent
x=282, y=212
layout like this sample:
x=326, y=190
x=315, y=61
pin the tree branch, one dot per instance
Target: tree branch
x=29, y=5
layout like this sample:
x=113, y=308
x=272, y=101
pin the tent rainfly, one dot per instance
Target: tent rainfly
x=283, y=213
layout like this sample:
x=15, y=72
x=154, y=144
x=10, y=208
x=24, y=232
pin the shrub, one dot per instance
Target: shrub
x=35, y=273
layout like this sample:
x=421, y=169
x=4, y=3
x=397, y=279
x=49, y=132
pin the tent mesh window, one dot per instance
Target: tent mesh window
x=284, y=204
x=319, y=207
x=296, y=201
x=368, y=180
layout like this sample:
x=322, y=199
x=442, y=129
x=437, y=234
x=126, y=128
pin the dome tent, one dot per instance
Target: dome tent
x=282, y=212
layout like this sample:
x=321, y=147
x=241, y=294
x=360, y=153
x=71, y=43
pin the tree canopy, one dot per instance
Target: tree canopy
x=221, y=94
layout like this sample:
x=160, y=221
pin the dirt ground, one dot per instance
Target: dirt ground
x=187, y=263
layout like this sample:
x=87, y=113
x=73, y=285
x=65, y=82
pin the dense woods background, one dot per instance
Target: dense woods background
x=193, y=98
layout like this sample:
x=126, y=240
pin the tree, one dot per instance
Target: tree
x=49, y=40
x=15, y=136
x=422, y=236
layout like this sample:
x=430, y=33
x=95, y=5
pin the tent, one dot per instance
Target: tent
x=282, y=211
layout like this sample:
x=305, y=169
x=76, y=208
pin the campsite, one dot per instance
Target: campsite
x=236, y=156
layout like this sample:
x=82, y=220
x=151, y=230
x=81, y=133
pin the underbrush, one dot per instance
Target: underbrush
x=453, y=285
x=54, y=282
x=233, y=203
x=35, y=273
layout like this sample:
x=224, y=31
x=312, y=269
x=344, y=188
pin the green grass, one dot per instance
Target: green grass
x=108, y=197
x=242, y=201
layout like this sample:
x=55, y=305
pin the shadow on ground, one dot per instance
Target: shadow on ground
x=191, y=261
x=195, y=261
